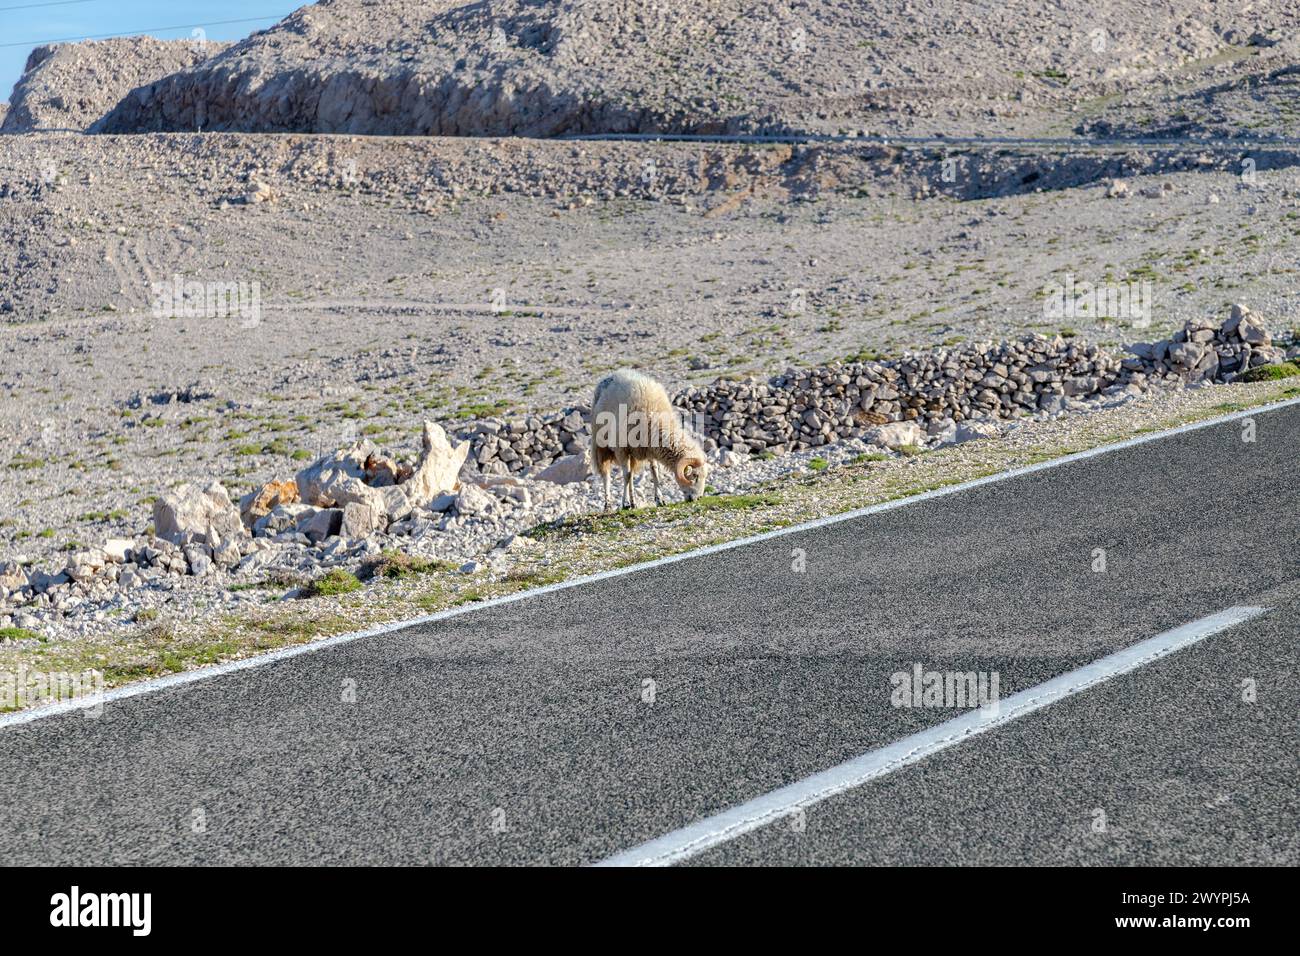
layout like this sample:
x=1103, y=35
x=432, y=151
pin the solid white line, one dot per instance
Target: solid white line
x=217, y=670
x=759, y=812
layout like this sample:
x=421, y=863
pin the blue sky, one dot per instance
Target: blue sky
x=45, y=20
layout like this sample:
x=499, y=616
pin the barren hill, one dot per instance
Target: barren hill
x=521, y=67
x=71, y=85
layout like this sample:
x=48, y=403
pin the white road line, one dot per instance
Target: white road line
x=759, y=812
x=217, y=670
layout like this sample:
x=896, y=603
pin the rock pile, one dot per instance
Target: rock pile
x=935, y=390
x=354, y=493
x=1203, y=350
x=333, y=510
x=529, y=444
x=938, y=391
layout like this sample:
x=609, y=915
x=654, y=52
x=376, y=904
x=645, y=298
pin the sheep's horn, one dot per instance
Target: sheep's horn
x=682, y=465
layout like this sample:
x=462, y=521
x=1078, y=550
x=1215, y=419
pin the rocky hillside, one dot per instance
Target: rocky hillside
x=71, y=85
x=449, y=67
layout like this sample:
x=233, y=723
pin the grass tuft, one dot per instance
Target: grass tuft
x=1270, y=373
x=396, y=565
x=331, y=584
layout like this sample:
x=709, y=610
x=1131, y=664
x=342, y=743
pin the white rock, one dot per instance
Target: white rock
x=566, y=471
x=116, y=549
x=473, y=500
x=339, y=478
x=976, y=429
x=896, y=435
x=12, y=576
x=199, y=561
x=360, y=521
x=189, y=510
x=439, y=466
x=227, y=554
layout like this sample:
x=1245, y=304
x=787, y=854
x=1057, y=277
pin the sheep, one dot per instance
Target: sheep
x=633, y=422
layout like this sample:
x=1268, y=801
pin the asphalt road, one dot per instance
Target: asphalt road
x=520, y=733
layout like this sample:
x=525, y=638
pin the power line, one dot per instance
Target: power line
x=130, y=33
x=51, y=3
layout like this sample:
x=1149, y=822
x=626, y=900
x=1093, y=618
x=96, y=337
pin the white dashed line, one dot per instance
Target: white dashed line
x=694, y=839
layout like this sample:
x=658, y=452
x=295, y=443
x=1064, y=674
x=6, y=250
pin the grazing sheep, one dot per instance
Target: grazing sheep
x=633, y=422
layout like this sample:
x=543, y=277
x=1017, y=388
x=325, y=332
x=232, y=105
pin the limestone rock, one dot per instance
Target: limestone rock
x=567, y=470
x=974, y=430
x=201, y=513
x=360, y=521
x=259, y=502
x=12, y=575
x=322, y=524
x=339, y=478
x=282, y=518
x=896, y=435
x=473, y=500
x=438, y=469
x=118, y=550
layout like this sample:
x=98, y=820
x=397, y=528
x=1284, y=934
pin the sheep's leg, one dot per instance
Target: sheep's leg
x=609, y=483
x=631, y=487
x=654, y=473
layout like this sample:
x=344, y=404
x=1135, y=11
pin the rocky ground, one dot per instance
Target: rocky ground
x=809, y=305
x=378, y=309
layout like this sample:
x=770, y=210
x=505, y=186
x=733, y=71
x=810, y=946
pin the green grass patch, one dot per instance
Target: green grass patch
x=626, y=518
x=524, y=579
x=331, y=584
x=396, y=565
x=1271, y=373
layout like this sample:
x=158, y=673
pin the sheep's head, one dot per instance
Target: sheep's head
x=692, y=473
